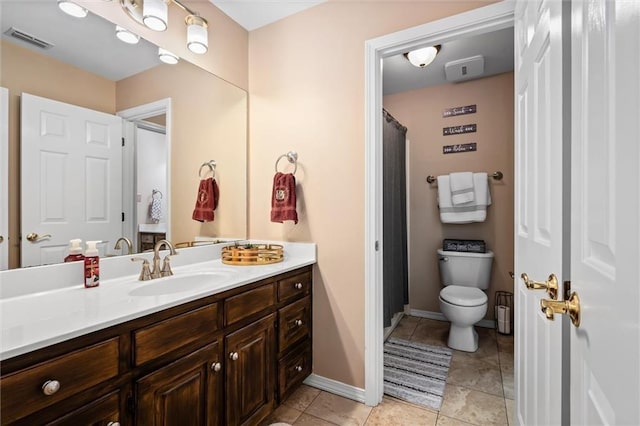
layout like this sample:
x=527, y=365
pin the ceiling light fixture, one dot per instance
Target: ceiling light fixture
x=167, y=57
x=70, y=8
x=424, y=56
x=154, y=15
x=126, y=35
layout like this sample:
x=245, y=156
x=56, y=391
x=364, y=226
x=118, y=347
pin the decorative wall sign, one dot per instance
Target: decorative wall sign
x=458, y=130
x=463, y=147
x=462, y=110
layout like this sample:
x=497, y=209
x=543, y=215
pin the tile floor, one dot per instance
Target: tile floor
x=479, y=389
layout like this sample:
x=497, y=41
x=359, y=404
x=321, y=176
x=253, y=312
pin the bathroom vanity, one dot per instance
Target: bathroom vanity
x=204, y=357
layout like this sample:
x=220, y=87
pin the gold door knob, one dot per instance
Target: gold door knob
x=33, y=237
x=571, y=307
x=551, y=285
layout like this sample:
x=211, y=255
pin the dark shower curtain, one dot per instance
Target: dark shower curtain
x=394, y=218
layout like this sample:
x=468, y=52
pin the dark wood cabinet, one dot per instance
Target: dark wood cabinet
x=225, y=359
x=250, y=372
x=185, y=392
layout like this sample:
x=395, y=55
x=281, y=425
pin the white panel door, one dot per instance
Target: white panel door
x=538, y=208
x=605, y=235
x=4, y=178
x=71, y=178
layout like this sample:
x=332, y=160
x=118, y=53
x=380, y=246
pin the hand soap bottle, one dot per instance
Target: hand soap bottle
x=91, y=265
x=75, y=251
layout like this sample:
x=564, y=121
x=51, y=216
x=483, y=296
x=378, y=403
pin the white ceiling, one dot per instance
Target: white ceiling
x=90, y=43
x=252, y=14
x=496, y=47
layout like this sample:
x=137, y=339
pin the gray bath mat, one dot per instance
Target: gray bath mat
x=415, y=372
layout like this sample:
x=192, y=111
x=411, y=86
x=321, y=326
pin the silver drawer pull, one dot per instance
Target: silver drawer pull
x=233, y=356
x=50, y=387
x=298, y=368
x=298, y=286
x=216, y=366
x=298, y=322
x=113, y=424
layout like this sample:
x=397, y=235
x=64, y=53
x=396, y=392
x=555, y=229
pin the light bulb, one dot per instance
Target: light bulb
x=197, y=37
x=126, y=35
x=154, y=14
x=70, y=8
x=167, y=57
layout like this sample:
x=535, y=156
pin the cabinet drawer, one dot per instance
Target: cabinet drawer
x=166, y=336
x=294, y=287
x=293, y=369
x=250, y=302
x=294, y=323
x=22, y=391
x=102, y=411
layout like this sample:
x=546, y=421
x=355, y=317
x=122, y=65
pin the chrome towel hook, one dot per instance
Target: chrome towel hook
x=292, y=157
x=211, y=164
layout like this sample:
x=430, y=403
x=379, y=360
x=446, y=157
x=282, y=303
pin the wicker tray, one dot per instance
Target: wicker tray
x=252, y=254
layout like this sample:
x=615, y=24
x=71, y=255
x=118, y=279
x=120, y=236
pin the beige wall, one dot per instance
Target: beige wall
x=209, y=122
x=306, y=85
x=21, y=70
x=228, y=41
x=421, y=112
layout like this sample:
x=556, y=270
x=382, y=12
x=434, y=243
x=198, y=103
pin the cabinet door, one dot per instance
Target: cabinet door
x=250, y=354
x=185, y=392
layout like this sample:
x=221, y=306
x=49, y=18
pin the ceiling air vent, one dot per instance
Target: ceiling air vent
x=28, y=38
x=464, y=69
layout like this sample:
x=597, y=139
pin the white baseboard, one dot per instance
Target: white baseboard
x=440, y=317
x=335, y=387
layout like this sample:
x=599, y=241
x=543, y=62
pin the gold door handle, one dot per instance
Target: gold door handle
x=33, y=237
x=551, y=285
x=571, y=307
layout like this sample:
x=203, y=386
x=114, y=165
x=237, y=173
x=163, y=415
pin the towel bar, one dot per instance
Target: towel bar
x=212, y=168
x=496, y=175
x=292, y=156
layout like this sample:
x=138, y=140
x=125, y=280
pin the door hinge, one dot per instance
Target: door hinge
x=123, y=216
x=377, y=245
x=123, y=141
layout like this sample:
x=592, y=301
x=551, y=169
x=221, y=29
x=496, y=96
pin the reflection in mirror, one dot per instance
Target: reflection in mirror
x=204, y=118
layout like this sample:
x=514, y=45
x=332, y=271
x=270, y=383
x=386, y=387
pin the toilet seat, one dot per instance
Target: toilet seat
x=463, y=296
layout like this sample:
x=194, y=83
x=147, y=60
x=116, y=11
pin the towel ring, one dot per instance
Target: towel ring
x=212, y=168
x=154, y=193
x=292, y=156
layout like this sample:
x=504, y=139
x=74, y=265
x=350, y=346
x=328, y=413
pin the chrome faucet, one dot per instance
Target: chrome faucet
x=127, y=242
x=157, y=272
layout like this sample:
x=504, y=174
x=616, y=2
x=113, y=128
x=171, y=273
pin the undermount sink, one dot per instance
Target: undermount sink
x=180, y=283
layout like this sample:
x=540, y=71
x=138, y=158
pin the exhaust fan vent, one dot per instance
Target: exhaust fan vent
x=28, y=38
x=464, y=69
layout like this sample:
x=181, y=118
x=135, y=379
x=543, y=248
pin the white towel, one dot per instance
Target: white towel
x=155, y=210
x=473, y=211
x=461, y=187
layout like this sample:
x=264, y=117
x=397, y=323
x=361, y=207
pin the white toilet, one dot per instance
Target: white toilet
x=462, y=301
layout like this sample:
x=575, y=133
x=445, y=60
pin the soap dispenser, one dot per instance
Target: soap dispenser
x=91, y=265
x=75, y=251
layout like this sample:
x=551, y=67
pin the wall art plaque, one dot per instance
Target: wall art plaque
x=461, y=110
x=462, y=147
x=459, y=130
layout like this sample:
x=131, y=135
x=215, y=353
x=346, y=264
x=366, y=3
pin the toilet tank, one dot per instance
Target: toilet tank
x=465, y=269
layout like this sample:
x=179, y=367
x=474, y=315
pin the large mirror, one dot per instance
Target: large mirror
x=180, y=123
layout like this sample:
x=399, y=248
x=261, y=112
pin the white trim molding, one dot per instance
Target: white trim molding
x=335, y=387
x=478, y=21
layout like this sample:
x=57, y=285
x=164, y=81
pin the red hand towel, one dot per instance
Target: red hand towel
x=207, y=201
x=283, y=198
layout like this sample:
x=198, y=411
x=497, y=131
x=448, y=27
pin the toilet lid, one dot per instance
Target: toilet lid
x=463, y=296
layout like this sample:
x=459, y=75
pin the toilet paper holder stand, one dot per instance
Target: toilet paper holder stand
x=503, y=316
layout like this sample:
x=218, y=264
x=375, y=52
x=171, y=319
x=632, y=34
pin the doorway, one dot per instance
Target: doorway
x=486, y=19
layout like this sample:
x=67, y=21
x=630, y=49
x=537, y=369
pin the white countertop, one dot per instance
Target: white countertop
x=35, y=314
